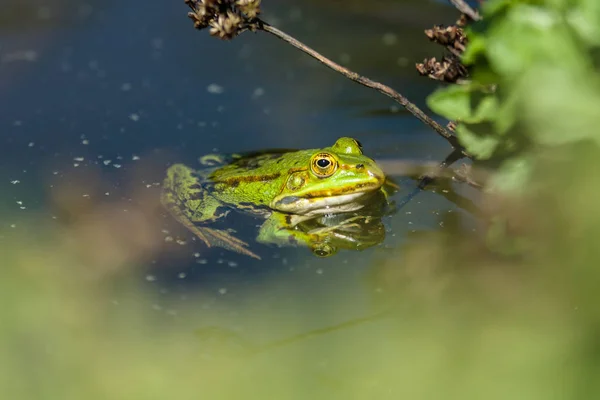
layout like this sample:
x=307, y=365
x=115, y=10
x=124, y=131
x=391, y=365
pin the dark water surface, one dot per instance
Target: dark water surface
x=97, y=98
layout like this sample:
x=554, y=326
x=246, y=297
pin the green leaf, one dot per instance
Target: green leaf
x=482, y=147
x=452, y=102
x=512, y=177
x=464, y=103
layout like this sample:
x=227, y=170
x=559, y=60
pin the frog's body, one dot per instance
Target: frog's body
x=286, y=188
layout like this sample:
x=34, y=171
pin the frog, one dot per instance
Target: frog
x=286, y=188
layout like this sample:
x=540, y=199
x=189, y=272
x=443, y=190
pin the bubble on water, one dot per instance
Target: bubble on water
x=223, y=291
x=389, y=39
x=258, y=92
x=215, y=89
x=134, y=117
x=150, y=278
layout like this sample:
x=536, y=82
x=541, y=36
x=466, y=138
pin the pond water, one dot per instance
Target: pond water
x=98, y=98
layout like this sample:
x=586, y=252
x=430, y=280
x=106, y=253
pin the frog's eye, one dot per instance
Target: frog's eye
x=323, y=165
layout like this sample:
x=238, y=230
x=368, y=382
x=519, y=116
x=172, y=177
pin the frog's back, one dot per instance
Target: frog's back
x=258, y=177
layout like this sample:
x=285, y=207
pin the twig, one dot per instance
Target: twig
x=466, y=9
x=449, y=160
x=388, y=91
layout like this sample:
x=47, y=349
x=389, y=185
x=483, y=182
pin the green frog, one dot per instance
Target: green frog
x=286, y=188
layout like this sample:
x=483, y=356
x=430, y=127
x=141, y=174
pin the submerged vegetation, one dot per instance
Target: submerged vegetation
x=507, y=310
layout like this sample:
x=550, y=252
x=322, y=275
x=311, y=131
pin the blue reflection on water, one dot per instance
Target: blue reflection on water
x=115, y=83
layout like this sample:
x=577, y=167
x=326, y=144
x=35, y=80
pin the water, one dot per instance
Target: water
x=98, y=98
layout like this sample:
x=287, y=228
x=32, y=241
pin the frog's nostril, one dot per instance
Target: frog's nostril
x=360, y=166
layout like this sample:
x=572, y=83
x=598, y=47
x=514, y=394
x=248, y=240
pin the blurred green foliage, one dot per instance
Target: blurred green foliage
x=450, y=319
x=542, y=58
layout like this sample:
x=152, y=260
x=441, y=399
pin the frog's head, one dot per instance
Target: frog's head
x=334, y=180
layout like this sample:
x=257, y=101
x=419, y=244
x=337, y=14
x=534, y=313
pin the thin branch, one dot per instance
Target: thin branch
x=449, y=160
x=466, y=9
x=413, y=109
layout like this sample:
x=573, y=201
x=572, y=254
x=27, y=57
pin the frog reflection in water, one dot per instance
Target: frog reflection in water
x=299, y=193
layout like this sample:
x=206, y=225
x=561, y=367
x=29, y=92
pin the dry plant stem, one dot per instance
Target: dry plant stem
x=449, y=160
x=413, y=109
x=466, y=9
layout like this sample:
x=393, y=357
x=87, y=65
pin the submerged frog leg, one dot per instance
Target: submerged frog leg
x=189, y=203
x=280, y=229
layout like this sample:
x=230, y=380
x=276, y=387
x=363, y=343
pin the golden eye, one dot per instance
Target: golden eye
x=323, y=165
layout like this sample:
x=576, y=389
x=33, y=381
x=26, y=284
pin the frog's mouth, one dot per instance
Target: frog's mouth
x=325, y=203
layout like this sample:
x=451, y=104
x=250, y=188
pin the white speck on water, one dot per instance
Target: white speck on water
x=13, y=225
x=232, y=264
x=126, y=87
x=389, y=39
x=196, y=255
x=31, y=144
x=402, y=61
x=135, y=158
x=106, y=162
x=202, y=261
x=158, y=43
x=215, y=89
x=134, y=117
x=320, y=271
x=76, y=165
x=181, y=275
x=150, y=278
x=181, y=242
x=169, y=238
x=19, y=202
x=79, y=159
x=85, y=142
x=258, y=92
x=117, y=165
x=85, y=195
x=223, y=291
x=16, y=181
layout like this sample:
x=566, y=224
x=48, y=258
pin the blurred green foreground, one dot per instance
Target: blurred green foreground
x=513, y=313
